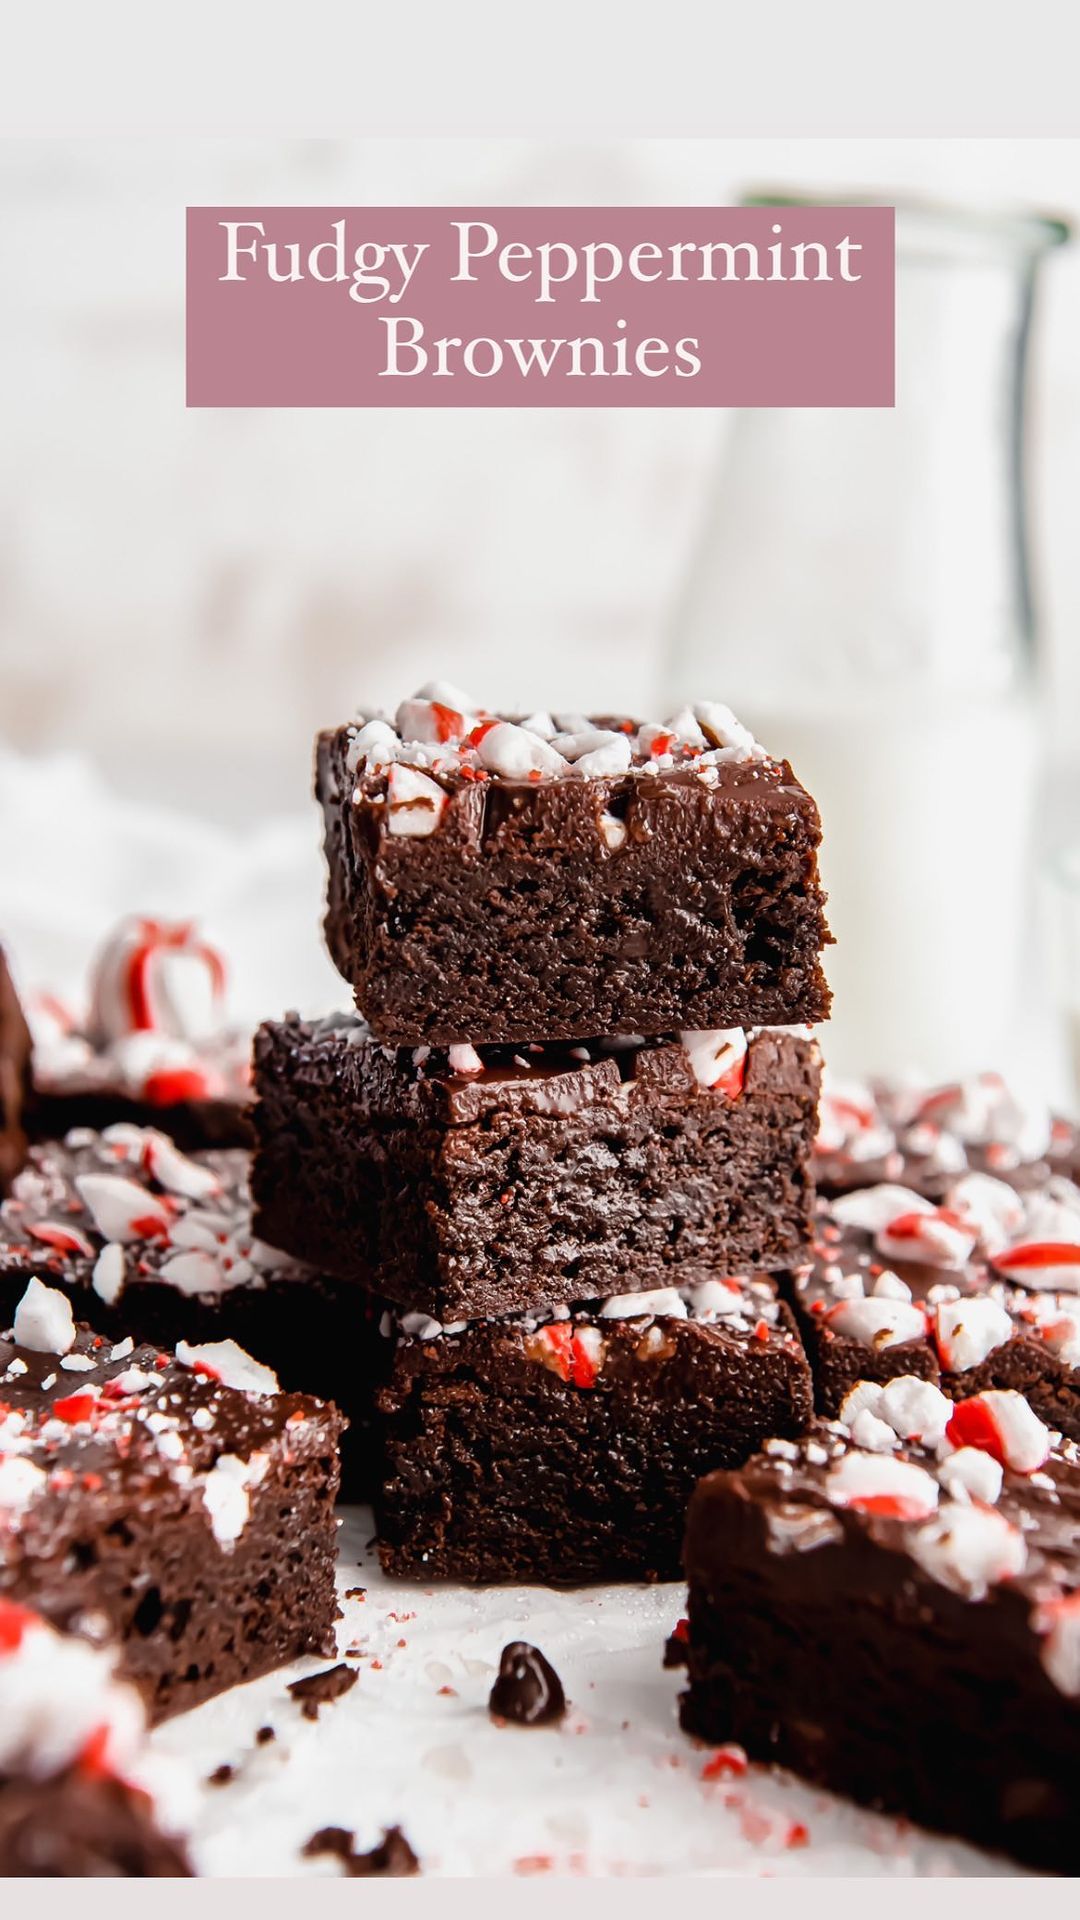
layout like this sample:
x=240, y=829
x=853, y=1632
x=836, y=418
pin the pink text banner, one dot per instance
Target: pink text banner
x=763, y=306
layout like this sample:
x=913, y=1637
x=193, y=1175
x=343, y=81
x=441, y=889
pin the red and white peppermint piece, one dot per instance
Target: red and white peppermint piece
x=1058, y=1620
x=1003, y=1425
x=224, y=1360
x=969, y=1548
x=415, y=803
x=879, y=1484
x=995, y=1210
x=972, y=1474
x=872, y=1208
x=576, y=1354
x=514, y=753
x=44, y=1321
x=121, y=1209
x=877, y=1322
x=174, y=1171
x=64, y=1239
x=717, y=1058
x=156, y=976
x=967, y=1331
x=937, y=1238
x=1050, y=1264
x=433, y=722
x=1056, y=1320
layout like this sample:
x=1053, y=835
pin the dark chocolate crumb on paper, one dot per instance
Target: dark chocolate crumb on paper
x=317, y=1690
x=392, y=1859
x=528, y=1691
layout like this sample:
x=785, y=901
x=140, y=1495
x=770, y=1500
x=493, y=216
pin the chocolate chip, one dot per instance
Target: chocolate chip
x=221, y=1775
x=392, y=1859
x=317, y=1690
x=264, y=1735
x=528, y=1691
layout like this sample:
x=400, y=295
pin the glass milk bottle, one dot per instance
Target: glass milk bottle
x=861, y=597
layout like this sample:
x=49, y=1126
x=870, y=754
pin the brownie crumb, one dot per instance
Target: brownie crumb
x=528, y=1691
x=221, y=1775
x=675, y=1646
x=317, y=1690
x=356, y=1593
x=392, y=1859
x=264, y=1735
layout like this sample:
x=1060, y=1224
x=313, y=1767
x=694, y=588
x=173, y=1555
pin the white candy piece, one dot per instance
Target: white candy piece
x=20, y=1482
x=445, y=692
x=875, y=1435
x=573, y=746
x=109, y=1273
x=1058, y=1322
x=711, y=1300
x=967, y=1331
x=514, y=753
x=873, y=1207
x=889, y=1286
x=197, y=1272
x=612, y=831
x=226, y=1495
x=416, y=803
x=685, y=728
x=614, y=756
x=224, y=1360
x=971, y=1472
x=721, y=729
x=864, y=1396
x=969, y=1548
x=121, y=1209
x=376, y=745
x=898, y=1489
x=1059, y=1621
x=541, y=724
x=666, y=1301
x=915, y=1409
x=465, y=1059
x=43, y=1320
x=877, y=1322
x=714, y=1052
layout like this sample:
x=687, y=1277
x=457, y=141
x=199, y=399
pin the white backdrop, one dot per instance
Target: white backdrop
x=186, y=596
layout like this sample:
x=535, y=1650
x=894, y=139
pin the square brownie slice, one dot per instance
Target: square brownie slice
x=14, y=1078
x=153, y=1243
x=81, y=1797
x=498, y=880
x=563, y=1447
x=892, y=1609
x=181, y=1506
x=475, y=1183
x=980, y=1291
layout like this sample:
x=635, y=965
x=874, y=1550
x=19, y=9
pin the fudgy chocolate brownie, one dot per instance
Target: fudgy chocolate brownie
x=481, y=1183
x=925, y=1137
x=153, y=1047
x=900, y=1621
x=181, y=1507
x=495, y=880
x=80, y=1796
x=563, y=1448
x=983, y=1291
x=14, y=1078
x=151, y=1242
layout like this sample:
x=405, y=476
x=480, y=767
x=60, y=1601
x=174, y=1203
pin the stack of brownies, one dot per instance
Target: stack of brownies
x=568, y=1143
